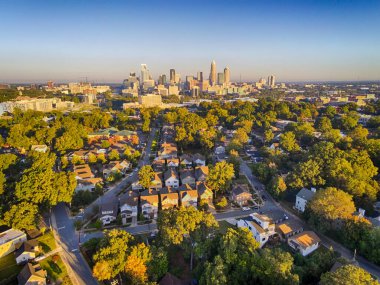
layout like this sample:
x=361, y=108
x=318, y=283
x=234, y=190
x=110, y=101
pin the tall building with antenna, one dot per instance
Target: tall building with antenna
x=145, y=75
x=172, y=75
x=212, y=77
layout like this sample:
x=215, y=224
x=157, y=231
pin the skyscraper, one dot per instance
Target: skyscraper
x=163, y=79
x=227, y=75
x=144, y=73
x=271, y=81
x=220, y=78
x=212, y=77
x=200, y=76
x=172, y=75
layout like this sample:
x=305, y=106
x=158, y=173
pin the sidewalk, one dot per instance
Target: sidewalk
x=42, y=257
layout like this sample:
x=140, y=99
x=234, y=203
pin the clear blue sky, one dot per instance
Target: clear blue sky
x=104, y=40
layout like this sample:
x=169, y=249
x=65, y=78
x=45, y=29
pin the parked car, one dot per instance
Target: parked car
x=246, y=208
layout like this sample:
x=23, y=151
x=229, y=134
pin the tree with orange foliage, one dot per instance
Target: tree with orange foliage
x=135, y=139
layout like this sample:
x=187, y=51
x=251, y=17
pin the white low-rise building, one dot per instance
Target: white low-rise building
x=303, y=197
x=261, y=227
x=9, y=239
x=305, y=242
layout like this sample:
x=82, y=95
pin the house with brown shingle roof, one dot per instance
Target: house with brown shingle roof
x=149, y=203
x=199, y=159
x=169, y=197
x=32, y=274
x=172, y=162
x=204, y=192
x=186, y=160
x=187, y=177
x=201, y=173
x=171, y=178
x=128, y=207
x=240, y=194
x=188, y=195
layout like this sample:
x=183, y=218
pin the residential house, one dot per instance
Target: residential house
x=83, y=172
x=128, y=207
x=167, y=150
x=201, y=173
x=27, y=251
x=199, y=159
x=172, y=162
x=188, y=195
x=9, y=240
x=80, y=154
x=102, y=134
x=289, y=228
x=261, y=227
x=305, y=242
x=116, y=167
x=86, y=180
x=40, y=148
x=32, y=275
x=88, y=184
x=303, y=197
x=186, y=160
x=204, y=192
x=220, y=150
x=158, y=164
x=124, y=135
x=149, y=203
x=187, y=177
x=169, y=197
x=108, y=213
x=171, y=178
x=240, y=194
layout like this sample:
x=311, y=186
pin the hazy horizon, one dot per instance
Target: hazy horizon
x=300, y=41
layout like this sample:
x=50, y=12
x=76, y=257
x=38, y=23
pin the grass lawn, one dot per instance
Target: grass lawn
x=56, y=270
x=224, y=226
x=9, y=269
x=47, y=242
x=241, y=180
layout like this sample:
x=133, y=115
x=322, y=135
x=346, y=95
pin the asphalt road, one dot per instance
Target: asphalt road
x=68, y=237
x=271, y=205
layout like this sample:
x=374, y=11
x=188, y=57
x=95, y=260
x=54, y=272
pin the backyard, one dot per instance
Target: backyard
x=56, y=270
x=9, y=269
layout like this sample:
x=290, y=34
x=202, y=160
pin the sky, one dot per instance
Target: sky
x=105, y=40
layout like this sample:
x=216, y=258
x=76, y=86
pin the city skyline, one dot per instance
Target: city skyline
x=299, y=41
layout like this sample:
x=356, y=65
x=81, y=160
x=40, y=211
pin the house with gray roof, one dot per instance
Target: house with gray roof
x=303, y=197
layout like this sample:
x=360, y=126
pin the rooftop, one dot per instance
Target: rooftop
x=305, y=239
x=306, y=194
x=10, y=235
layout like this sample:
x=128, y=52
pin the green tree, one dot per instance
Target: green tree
x=274, y=266
x=277, y=186
x=214, y=273
x=146, y=175
x=112, y=254
x=332, y=204
x=114, y=155
x=23, y=216
x=220, y=176
x=268, y=135
x=323, y=124
x=158, y=265
x=288, y=142
x=186, y=226
x=348, y=275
